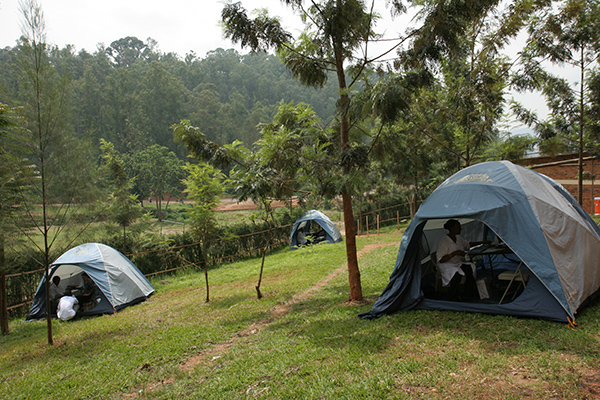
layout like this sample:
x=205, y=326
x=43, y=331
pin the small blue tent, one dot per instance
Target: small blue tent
x=120, y=283
x=316, y=222
x=536, y=218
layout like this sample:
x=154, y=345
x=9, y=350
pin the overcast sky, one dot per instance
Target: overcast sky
x=177, y=26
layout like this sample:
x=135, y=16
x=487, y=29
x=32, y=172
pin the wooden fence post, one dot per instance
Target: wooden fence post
x=367, y=217
x=378, y=219
x=360, y=220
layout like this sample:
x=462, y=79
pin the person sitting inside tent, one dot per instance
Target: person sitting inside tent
x=89, y=291
x=56, y=292
x=319, y=236
x=452, y=266
x=301, y=237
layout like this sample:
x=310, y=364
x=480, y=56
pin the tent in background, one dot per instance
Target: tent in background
x=316, y=224
x=539, y=222
x=120, y=283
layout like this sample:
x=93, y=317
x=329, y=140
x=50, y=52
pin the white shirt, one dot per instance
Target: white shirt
x=452, y=266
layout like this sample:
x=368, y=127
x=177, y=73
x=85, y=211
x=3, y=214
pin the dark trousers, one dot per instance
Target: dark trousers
x=470, y=292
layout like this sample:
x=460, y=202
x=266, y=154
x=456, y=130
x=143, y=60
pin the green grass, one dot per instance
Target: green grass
x=302, y=340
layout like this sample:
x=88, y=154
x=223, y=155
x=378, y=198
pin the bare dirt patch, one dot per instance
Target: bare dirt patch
x=590, y=383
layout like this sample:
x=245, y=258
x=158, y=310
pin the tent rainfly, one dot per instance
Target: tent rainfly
x=543, y=226
x=120, y=283
x=315, y=223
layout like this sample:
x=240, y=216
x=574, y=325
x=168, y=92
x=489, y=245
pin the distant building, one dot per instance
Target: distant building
x=564, y=169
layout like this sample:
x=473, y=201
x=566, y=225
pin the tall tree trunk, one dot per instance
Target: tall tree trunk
x=46, y=260
x=203, y=249
x=262, y=266
x=350, y=230
x=159, y=207
x=3, y=296
x=206, y=281
x=581, y=125
x=351, y=255
x=46, y=230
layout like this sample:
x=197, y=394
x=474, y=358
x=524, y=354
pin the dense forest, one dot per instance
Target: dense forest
x=130, y=94
x=428, y=110
x=301, y=115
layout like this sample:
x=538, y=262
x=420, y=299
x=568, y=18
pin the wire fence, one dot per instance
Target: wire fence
x=372, y=221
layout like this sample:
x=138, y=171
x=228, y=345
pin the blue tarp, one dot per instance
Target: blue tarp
x=537, y=219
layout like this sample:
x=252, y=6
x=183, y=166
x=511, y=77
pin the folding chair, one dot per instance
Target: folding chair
x=514, y=276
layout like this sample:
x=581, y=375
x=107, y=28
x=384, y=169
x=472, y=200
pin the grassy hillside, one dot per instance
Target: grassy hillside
x=302, y=340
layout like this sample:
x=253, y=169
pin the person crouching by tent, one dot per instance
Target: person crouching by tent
x=452, y=266
x=68, y=306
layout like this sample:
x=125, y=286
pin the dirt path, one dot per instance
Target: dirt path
x=278, y=311
x=234, y=205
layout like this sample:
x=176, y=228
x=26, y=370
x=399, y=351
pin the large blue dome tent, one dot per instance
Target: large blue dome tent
x=315, y=221
x=541, y=224
x=120, y=283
